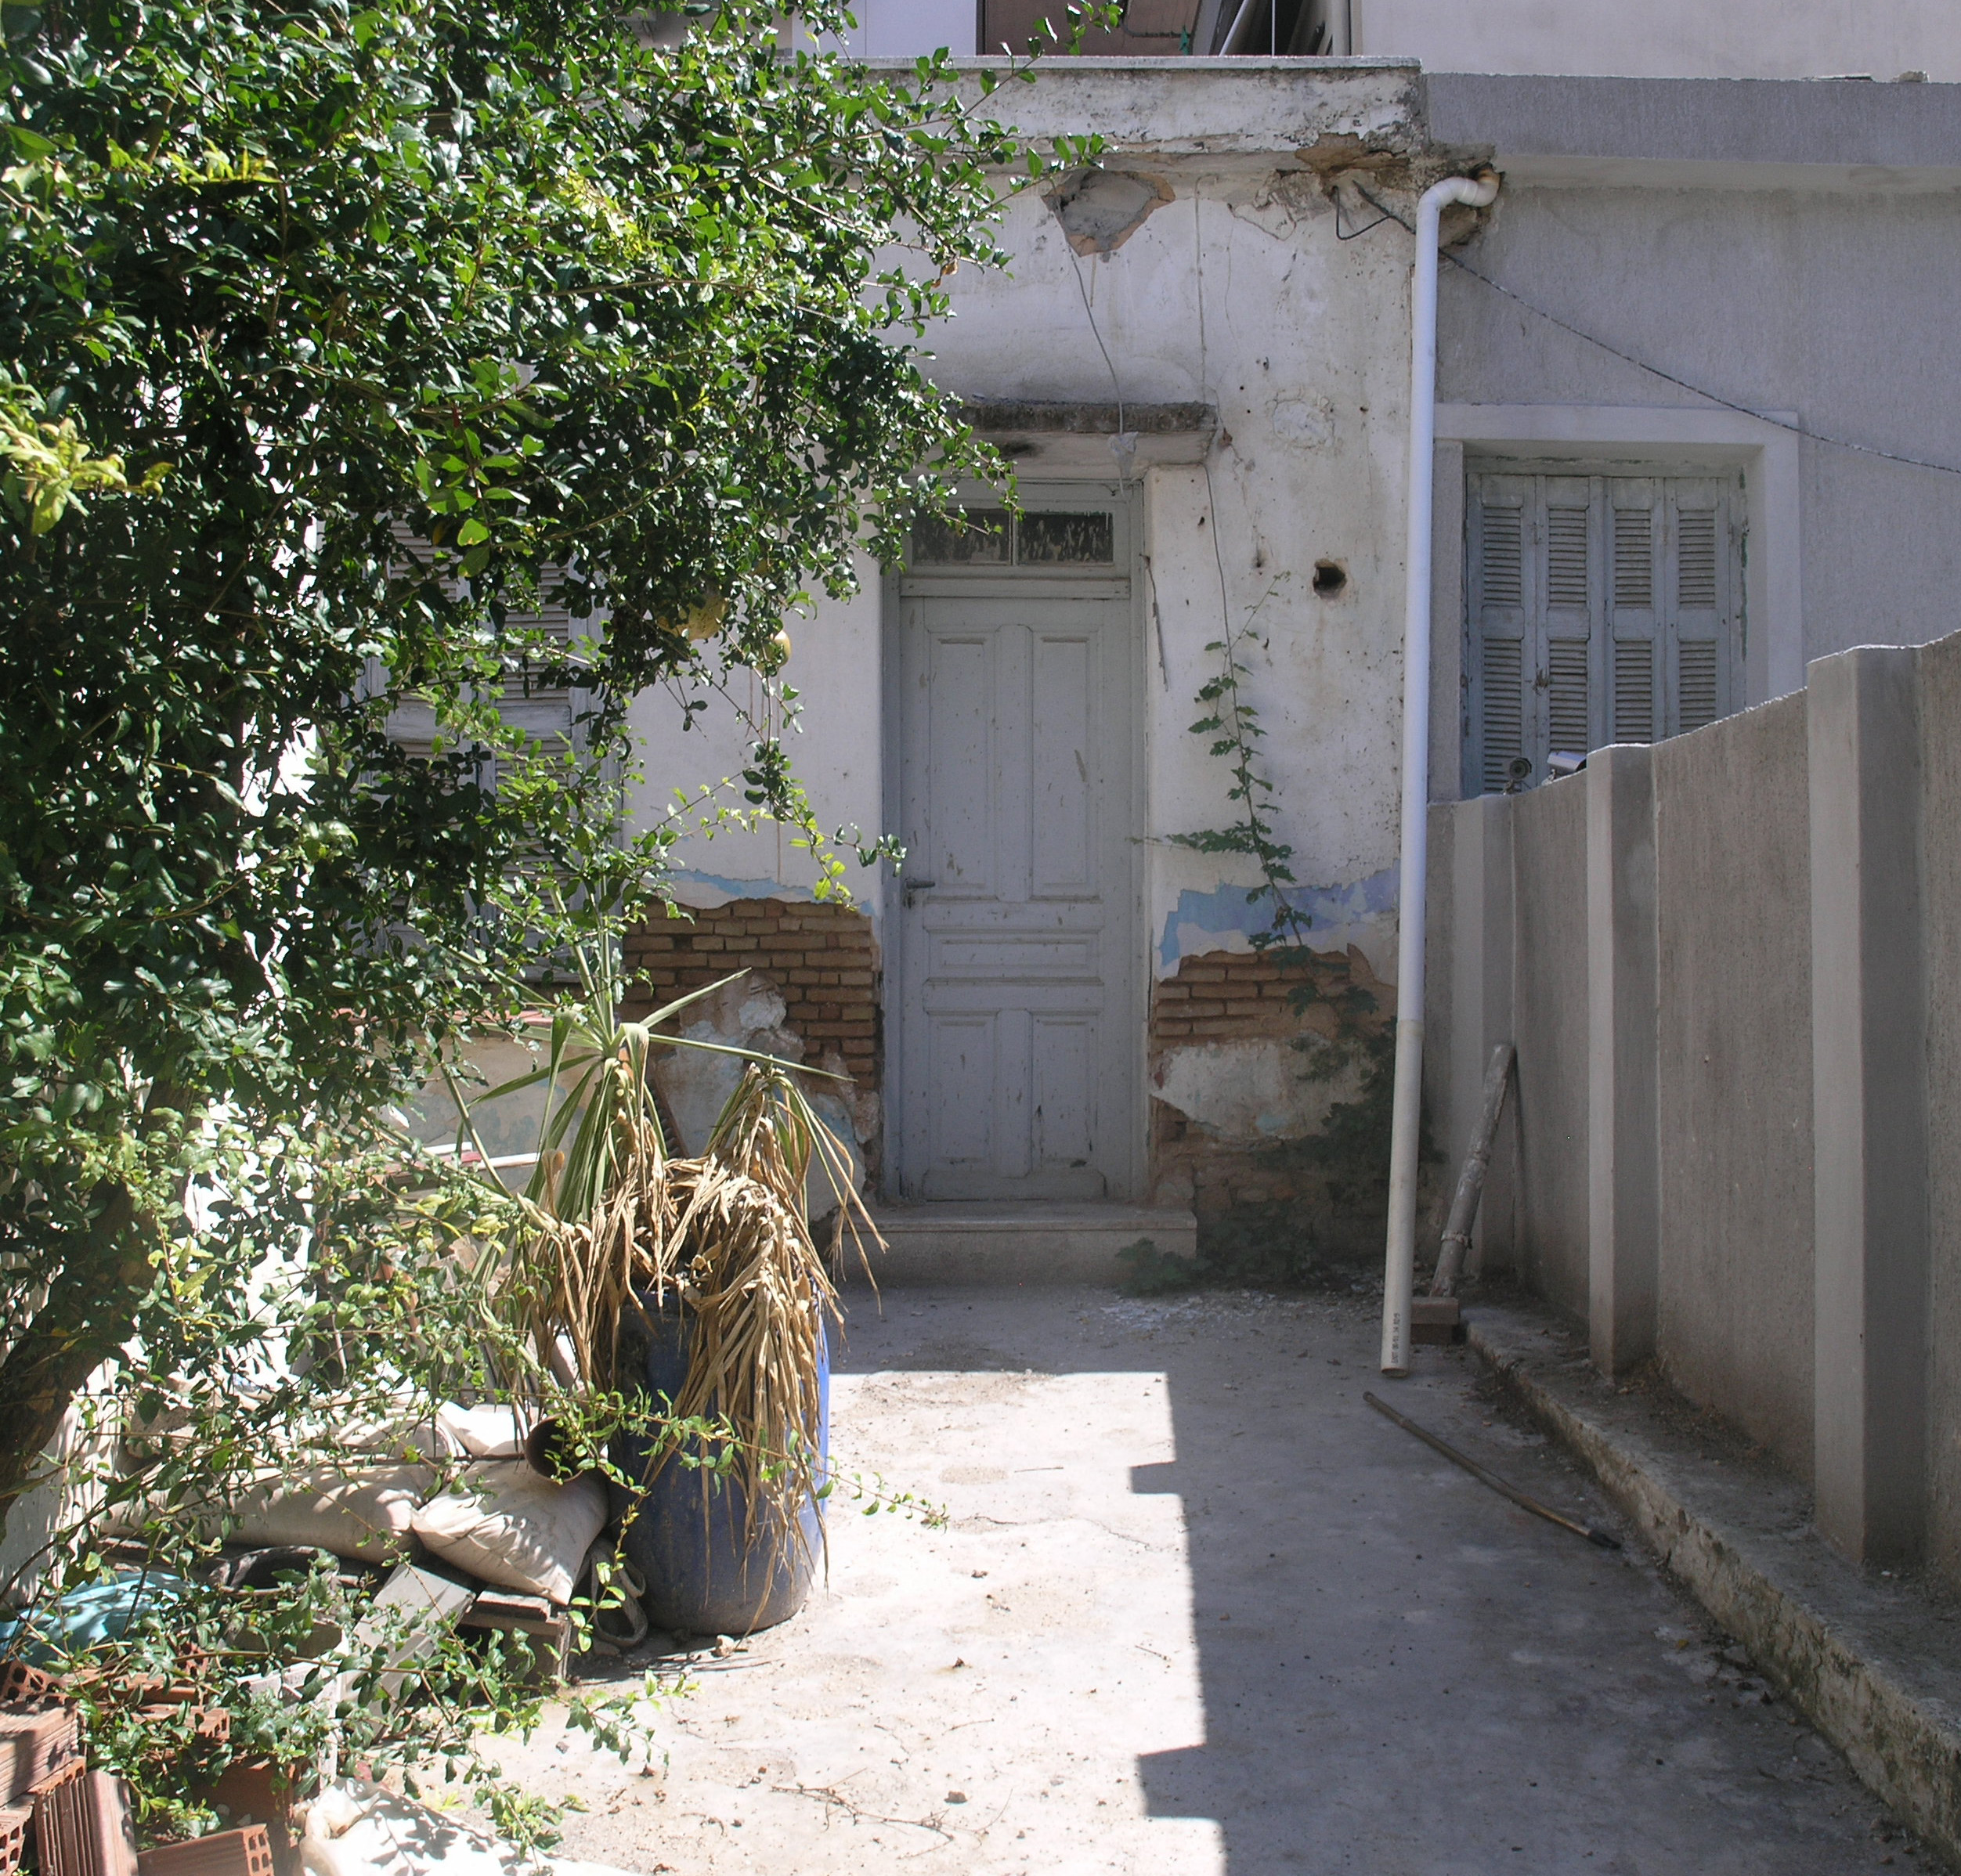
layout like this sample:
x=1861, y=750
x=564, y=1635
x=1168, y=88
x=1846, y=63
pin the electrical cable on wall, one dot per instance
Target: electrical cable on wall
x=1640, y=364
x=1123, y=445
x=1204, y=373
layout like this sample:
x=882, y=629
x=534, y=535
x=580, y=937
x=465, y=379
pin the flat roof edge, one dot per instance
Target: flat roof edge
x=1067, y=62
x=1819, y=124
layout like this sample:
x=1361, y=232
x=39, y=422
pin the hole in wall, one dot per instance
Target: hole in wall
x=1330, y=579
x=1101, y=209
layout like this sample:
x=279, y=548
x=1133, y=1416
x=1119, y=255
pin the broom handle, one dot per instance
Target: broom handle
x=1504, y=1488
x=1463, y=1207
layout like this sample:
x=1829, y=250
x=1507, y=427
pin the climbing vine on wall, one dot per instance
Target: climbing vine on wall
x=1233, y=724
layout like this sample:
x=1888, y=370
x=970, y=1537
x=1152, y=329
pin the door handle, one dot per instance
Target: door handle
x=908, y=887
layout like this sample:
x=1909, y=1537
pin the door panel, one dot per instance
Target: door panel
x=1062, y=728
x=960, y=687
x=1016, y=1026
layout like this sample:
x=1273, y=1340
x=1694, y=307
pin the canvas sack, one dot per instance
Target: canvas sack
x=363, y=1512
x=514, y=1528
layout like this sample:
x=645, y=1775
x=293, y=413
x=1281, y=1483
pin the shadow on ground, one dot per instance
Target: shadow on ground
x=1400, y=1672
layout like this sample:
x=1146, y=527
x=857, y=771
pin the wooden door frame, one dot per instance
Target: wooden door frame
x=1061, y=492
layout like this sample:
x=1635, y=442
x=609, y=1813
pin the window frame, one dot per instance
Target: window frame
x=1593, y=588
x=1624, y=438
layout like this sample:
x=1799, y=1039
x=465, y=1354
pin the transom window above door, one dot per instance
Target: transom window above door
x=1601, y=609
x=1037, y=537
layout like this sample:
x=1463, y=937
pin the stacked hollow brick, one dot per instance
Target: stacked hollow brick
x=77, y=1822
x=822, y=960
x=1233, y=995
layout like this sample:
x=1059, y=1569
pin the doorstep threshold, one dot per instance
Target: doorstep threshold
x=1024, y=1214
x=1022, y=1242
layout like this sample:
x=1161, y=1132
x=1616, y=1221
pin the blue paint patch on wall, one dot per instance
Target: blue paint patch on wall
x=758, y=889
x=1230, y=909
x=742, y=889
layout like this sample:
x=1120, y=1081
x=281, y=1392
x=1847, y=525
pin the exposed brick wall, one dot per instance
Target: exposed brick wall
x=1234, y=996
x=822, y=960
x=1224, y=997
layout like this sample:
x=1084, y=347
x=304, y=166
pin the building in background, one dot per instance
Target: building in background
x=1596, y=39
x=1696, y=428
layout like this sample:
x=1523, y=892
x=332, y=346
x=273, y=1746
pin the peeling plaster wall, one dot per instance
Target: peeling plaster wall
x=1240, y=1074
x=1305, y=355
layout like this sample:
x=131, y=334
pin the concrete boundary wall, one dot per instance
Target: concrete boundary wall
x=1732, y=964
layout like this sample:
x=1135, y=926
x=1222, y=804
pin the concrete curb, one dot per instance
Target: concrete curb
x=1871, y=1665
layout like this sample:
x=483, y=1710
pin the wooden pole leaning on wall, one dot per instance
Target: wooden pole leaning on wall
x=1437, y=1317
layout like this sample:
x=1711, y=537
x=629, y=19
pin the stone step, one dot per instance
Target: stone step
x=1022, y=1243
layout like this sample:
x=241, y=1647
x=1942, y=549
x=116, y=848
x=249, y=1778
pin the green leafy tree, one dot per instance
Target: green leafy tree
x=335, y=338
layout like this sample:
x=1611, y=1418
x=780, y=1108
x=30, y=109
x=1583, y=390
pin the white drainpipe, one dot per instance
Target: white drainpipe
x=1400, y=1275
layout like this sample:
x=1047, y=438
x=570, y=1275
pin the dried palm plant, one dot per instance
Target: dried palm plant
x=614, y=1225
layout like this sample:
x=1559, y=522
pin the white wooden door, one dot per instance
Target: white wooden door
x=1019, y=1041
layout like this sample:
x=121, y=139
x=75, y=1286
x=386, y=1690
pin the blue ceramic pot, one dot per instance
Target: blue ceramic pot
x=714, y=1565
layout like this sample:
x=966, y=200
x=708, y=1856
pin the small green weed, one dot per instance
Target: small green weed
x=1155, y=1272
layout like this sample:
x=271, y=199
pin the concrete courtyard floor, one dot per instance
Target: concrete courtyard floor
x=1199, y=1611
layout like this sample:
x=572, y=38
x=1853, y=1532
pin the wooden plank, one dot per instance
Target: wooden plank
x=547, y=1627
x=433, y=1603
x=1438, y=1319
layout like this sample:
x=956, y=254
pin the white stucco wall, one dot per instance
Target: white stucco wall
x=1304, y=354
x=906, y=29
x=837, y=745
x=1666, y=38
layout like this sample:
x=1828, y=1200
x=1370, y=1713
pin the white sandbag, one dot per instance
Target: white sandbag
x=354, y=1828
x=364, y=1512
x=403, y=1438
x=480, y=1433
x=515, y=1528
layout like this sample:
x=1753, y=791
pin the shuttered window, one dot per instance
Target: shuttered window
x=1604, y=608
x=534, y=696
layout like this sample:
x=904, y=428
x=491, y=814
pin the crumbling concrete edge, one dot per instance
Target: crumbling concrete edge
x=1904, y=1743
